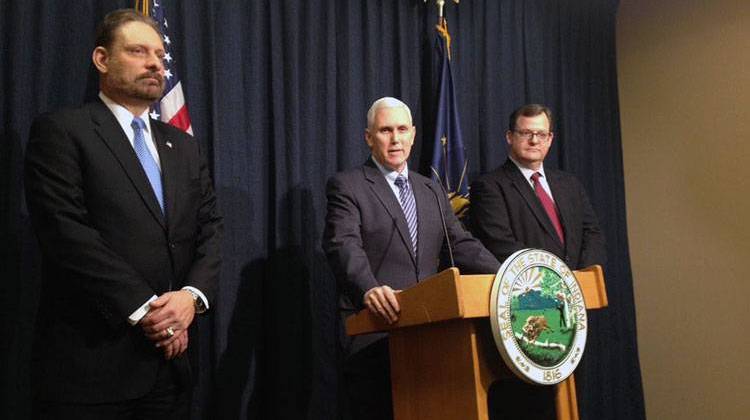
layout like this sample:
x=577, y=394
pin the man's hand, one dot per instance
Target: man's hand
x=171, y=312
x=382, y=301
x=176, y=347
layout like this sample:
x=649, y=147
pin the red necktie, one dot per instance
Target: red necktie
x=549, y=206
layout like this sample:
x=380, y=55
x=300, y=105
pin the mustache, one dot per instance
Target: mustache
x=156, y=76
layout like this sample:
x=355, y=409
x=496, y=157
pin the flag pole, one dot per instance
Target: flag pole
x=142, y=6
x=449, y=164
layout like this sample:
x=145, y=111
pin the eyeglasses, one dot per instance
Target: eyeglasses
x=528, y=135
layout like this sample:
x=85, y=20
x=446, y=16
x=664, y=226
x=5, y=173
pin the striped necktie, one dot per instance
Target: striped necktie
x=409, y=206
x=147, y=160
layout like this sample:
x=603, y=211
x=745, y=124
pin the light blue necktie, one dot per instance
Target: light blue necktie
x=147, y=161
x=409, y=206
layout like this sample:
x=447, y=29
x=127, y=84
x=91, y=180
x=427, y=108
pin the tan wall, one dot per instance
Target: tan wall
x=684, y=81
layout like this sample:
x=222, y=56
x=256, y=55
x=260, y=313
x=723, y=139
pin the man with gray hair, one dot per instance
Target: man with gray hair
x=384, y=232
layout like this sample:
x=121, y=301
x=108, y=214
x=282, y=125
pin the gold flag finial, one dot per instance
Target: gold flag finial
x=440, y=4
x=142, y=6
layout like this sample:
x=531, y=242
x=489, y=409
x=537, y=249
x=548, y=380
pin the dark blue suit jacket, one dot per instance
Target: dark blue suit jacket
x=506, y=215
x=107, y=248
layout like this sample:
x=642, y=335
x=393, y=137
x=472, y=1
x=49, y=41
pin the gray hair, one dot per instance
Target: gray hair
x=386, y=102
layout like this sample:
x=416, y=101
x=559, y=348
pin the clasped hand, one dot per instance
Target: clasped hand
x=167, y=321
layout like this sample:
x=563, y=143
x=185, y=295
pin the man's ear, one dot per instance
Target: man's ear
x=508, y=134
x=100, y=58
x=368, y=138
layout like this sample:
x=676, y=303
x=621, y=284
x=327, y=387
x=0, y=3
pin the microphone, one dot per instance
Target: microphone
x=445, y=228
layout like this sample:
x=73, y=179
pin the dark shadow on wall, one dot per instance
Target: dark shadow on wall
x=235, y=346
x=287, y=367
x=19, y=289
x=300, y=364
x=236, y=390
x=281, y=355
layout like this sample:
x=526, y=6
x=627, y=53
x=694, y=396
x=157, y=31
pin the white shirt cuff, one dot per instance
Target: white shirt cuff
x=139, y=313
x=199, y=293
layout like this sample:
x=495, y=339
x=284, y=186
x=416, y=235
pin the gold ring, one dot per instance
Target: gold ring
x=170, y=331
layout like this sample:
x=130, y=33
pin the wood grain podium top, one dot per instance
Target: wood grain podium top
x=449, y=295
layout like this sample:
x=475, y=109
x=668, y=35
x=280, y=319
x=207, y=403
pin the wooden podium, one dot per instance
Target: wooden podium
x=443, y=356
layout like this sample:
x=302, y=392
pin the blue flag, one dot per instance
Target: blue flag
x=448, y=162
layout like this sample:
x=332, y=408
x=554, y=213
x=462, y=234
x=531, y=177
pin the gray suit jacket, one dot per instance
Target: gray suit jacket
x=367, y=240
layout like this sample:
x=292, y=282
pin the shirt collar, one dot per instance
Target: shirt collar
x=123, y=116
x=389, y=174
x=527, y=173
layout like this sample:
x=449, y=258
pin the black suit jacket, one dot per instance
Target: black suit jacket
x=506, y=215
x=367, y=239
x=107, y=248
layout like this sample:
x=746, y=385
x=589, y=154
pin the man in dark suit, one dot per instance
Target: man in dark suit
x=522, y=204
x=384, y=232
x=127, y=222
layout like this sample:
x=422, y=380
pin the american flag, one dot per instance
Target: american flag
x=171, y=108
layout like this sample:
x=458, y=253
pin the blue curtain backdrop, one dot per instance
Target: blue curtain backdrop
x=277, y=92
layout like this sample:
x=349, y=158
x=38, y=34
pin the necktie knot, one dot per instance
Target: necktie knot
x=400, y=182
x=138, y=124
x=535, y=177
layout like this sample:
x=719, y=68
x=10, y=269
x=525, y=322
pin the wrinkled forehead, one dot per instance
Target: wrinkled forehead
x=392, y=115
x=137, y=33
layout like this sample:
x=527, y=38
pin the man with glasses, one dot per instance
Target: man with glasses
x=522, y=204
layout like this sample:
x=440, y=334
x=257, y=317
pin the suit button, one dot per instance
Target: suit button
x=172, y=245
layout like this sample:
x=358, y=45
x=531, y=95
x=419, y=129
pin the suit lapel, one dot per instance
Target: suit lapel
x=384, y=194
x=168, y=167
x=425, y=201
x=524, y=188
x=561, y=197
x=110, y=132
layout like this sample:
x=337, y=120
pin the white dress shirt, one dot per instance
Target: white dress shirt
x=527, y=173
x=125, y=119
x=391, y=175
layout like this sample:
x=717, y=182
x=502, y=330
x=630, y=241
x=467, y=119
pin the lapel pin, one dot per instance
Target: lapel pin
x=169, y=144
